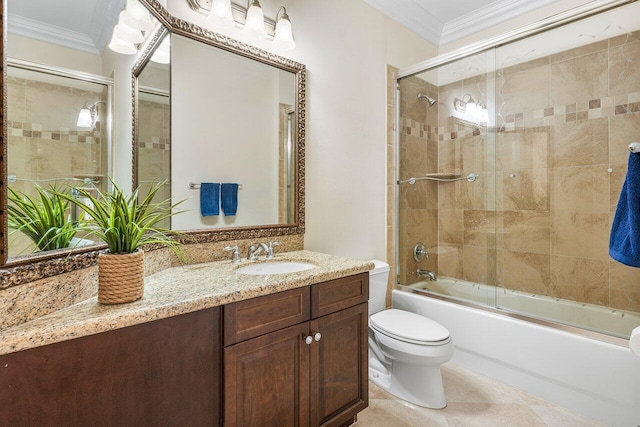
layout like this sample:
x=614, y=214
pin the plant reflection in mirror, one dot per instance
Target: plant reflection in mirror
x=42, y=218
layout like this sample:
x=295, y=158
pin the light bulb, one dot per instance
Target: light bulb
x=121, y=46
x=137, y=16
x=85, y=120
x=283, y=38
x=127, y=33
x=254, y=25
x=220, y=14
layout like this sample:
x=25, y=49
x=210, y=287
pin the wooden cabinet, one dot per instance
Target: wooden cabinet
x=295, y=358
x=298, y=357
x=161, y=373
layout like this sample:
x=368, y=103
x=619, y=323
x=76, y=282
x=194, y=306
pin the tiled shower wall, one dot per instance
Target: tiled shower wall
x=418, y=217
x=154, y=153
x=44, y=142
x=538, y=218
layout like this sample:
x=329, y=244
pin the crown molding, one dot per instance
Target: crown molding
x=413, y=16
x=26, y=27
x=486, y=17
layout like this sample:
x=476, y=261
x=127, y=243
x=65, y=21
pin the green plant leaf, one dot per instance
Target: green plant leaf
x=124, y=222
x=43, y=219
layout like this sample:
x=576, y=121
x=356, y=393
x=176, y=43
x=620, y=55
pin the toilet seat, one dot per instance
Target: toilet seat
x=409, y=327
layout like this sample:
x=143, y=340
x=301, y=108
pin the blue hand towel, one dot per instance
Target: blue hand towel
x=209, y=198
x=624, y=243
x=229, y=199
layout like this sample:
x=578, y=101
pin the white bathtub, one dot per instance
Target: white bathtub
x=597, y=318
x=595, y=378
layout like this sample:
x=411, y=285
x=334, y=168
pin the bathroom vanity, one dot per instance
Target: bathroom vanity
x=205, y=346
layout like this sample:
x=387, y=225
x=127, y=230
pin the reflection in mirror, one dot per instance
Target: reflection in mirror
x=59, y=106
x=153, y=137
x=232, y=121
x=50, y=145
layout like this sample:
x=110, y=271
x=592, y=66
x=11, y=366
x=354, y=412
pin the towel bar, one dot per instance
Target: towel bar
x=196, y=185
x=634, y=147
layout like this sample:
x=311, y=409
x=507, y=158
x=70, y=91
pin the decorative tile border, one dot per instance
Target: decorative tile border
x=550, y=116
x=418, y=129
x=34, y=130
x=156, y=143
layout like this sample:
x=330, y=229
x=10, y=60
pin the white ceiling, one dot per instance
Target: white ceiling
x=79, y=24
x=443, y=21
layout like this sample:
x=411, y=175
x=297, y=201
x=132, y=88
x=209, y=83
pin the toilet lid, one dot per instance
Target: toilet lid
x=408, y=327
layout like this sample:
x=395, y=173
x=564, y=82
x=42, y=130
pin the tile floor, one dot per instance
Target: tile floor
x=472, y=400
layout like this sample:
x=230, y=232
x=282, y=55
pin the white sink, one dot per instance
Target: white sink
x=275, y=267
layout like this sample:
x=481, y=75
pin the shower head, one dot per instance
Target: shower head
x=429, y=99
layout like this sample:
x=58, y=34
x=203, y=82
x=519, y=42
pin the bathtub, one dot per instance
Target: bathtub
x=596, y=318
x=598, y=379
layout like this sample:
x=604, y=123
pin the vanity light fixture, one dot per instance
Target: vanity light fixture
x=472, y=110
x=283, y=38
x=254, y=25
x=221, y=15
x=137, y=16
x=125, y=32
x=132, y=21
x=88, y=115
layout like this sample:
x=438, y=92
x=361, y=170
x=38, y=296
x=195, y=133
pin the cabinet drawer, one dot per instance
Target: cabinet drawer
x=336, y=295
x=258, y=316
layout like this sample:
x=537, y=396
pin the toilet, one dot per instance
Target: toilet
x=405, y=349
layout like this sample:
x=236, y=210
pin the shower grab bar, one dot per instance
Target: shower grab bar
x=634, y=147
x=438, y=177
x=87, y=180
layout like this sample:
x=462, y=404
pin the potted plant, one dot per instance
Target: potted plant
x=42, y=218
x=124, y=223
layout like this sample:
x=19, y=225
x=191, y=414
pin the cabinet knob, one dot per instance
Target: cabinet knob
x=317, y=336
x=308, y=340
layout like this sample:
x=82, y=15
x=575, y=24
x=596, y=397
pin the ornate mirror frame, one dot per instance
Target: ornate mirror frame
x=37, y=266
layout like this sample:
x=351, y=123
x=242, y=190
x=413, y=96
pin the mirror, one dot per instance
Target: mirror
x=58, y=107
x=153, y=119
x=236, y=116
x=231, y=121
x=88, y=76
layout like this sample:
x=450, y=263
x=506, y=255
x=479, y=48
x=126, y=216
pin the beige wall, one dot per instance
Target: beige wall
x=51, y=54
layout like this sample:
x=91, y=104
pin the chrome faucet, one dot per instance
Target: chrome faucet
x=270, y=249
x=255, y=249
x=427, y=273
x=236, y=253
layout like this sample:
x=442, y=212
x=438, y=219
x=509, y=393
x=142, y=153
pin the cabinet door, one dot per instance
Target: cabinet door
x=339, y=364
x=266, y=380
x=161, y=373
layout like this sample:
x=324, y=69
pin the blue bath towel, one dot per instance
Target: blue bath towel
x=624, y=244
x=209, y=199
x=229, y=198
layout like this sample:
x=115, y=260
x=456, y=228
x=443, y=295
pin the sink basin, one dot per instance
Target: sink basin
x=275, y=267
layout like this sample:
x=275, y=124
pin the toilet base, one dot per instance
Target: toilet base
x=420, y=385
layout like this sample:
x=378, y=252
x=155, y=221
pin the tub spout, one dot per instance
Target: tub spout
x=427, y=273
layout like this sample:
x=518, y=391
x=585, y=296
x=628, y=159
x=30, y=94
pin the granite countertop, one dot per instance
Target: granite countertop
x=176, y=291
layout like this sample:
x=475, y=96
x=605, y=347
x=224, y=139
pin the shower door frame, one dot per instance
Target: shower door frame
x=584, y=11
x=85, y=77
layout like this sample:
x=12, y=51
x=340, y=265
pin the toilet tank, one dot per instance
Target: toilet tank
x=378, y=279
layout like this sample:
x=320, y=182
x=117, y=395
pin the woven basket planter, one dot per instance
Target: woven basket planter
x=120, y=277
